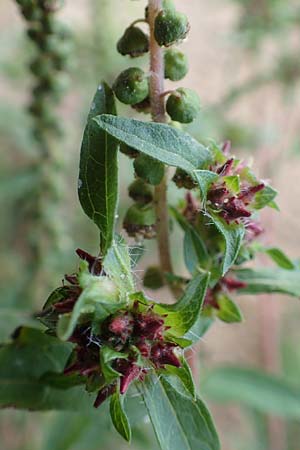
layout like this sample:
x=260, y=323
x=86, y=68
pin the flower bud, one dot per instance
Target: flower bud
x=170, y=27
x=140, y=192
x=131, y=86
x=134, y=42
x=176, y=64
x=140, y=221
x=129, y=151
x=153, y=278
x=183, y=105
x=183, y=180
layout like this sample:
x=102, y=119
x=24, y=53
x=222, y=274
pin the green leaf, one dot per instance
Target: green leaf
x=99, y=298
x=183, y=314
x=98, y=172
x=162, y=142
x=184, y=373
x=258, y=390
x=148, y=168
x=119, y=417
x=268, y=280
x=229, y=311
x=195, y=251
x=264, y=197
x=205, y=178
x=107, y=356
x=200, y=327
x=179, y=421
x=117, y=264
x=233, y=235
x=233, y=183
x=23, y=365
x=280, y=258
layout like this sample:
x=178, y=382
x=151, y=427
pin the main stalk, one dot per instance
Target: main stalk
x=159, y=115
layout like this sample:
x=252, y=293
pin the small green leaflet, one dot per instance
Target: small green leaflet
x=258, y=390
x=205, y=178
x=184, y=373
x=98, y=172
x=233, y=235
x=280, y=258
x=162, y=142
x=183, y=314
x=267, y=280
x=233, y=183
x=107, y=356
x=264, y=197
x=100, y=298
x=228, y=310
x=117, y=264
x=179, y=421
x=119, y=417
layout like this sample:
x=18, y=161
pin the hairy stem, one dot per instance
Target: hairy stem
x=159, y=115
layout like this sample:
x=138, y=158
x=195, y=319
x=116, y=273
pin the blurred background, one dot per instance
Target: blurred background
x=245, y=65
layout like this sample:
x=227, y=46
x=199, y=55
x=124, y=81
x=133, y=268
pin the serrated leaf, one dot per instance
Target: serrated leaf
x=233, y=235
x=179, y=422
x=280, y=258
x=160, y=141
x=98, y=172
x=228, y=310
x=149, y=169
x=269, y=280
x=258, y=390
x=205, y=178
x=117, y=264
x=264, y=197
x=119, y=417
x=182, y=315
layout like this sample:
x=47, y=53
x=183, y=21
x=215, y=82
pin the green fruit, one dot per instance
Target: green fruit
x=134, y=42
x=140, y=221
x=131, y=86
x=153, y=278
x=183, y=180
x=170, y=27
x=149, y=169
x=140, y=192
x=183, y=105
x=128, y=151
x=176, y=64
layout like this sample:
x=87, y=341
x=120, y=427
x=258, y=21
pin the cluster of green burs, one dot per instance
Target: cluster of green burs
x=53, y=47
x=132, y=85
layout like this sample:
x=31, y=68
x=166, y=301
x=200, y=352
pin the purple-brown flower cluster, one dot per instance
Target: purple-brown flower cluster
x=136, y=335
x=231, y=206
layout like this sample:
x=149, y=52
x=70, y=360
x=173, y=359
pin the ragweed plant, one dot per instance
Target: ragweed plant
x=103, y=337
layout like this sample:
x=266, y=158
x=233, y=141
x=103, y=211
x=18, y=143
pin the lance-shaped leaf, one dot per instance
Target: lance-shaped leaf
x=98, y=172
x=182, y=315
x=195, y=251
x=258, y=390
x=119, y=417
x=264, y=197
x=179, y=421
x=280, y=258
x=233, y=235
x=184, y=373
x=228, y=310
x=107, y=356
x=267, y=280
x=162, y=142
